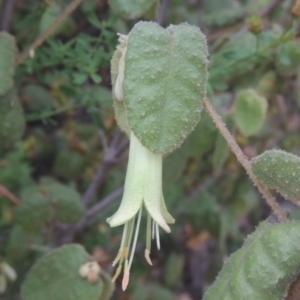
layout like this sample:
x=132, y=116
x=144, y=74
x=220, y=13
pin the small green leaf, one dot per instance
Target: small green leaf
x=165, y=82
x=7, y=61
x=50, y=15
x=96, y=78
x=131, y=9
x=263, y=268
x=222, y=150
x=34, y=211
x=80, y=78
x=56, y=276
x=12, y=121
x=250, y=111
x=279, y=170
x=288, y=58
x=65, y=201
x=173, y=270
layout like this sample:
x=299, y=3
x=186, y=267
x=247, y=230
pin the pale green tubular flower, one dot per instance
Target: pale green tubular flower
x=143, y=189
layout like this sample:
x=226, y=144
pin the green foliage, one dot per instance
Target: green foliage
x=250, y=111
x=222, y=150
x=263, y=267
x=173, y=270
x=47, y=201
x=70, y=119
x=223, y=14
x=7, y=61
x=12, y=121
x=173, y=86
x=279, y=170
x=56, y=276
x=131, y=9
x=15, y=163
x=288, y=58
x=152, y=292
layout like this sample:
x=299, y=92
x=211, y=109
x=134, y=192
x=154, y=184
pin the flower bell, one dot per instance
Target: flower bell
x=143, y=189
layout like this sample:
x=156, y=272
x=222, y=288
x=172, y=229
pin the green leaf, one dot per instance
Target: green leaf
x=80, y=78
x=221, y=150
x=173, y=270
x=12, y=121
x=131, y=9
x=250, y=111
x=50, y=15
x=65, y=201
x=288, y=58
x=56, y=276
x=263, y=268
x=96, y=78
x=279, y=170
x=7, y=61
x=165, y=82
x=34, y=211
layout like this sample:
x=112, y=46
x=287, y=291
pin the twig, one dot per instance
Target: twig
x=70, y=231
x=162, y=11
x=8, y=6
x=44, y=36
x=9, y=195
x=270, y=8
x=244, y=160
x=110, y=158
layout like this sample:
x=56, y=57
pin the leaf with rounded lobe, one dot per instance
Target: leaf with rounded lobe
x=165, y=83
x=279, y=170
x=250, y=111
x=131, y=9
x=7, y=61
x=56, y=276
x=263, y=268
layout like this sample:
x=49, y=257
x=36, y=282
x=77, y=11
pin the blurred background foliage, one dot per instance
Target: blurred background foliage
x=63, y=161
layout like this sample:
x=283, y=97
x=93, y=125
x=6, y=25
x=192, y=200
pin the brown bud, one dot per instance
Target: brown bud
x=296, y=9
x=255, y=24
x=93, y=277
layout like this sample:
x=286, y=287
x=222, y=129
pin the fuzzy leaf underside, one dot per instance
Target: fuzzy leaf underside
x=165, y=82
x=279, y=170
x=263, y=267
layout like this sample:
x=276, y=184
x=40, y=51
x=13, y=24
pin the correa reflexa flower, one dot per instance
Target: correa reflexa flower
x=143, y=189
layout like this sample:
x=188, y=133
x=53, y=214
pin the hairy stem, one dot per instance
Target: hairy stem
x=243, y=160
x=44, y=36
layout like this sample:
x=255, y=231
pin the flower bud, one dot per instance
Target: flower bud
x=255, y=24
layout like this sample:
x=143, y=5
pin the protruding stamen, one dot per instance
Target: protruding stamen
x=157, y=236
x=125, y=276
x=148, y=239
x=153, y=229
x=147, y=256
x=138, y=222
x=118, y=271
x=122, y=245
